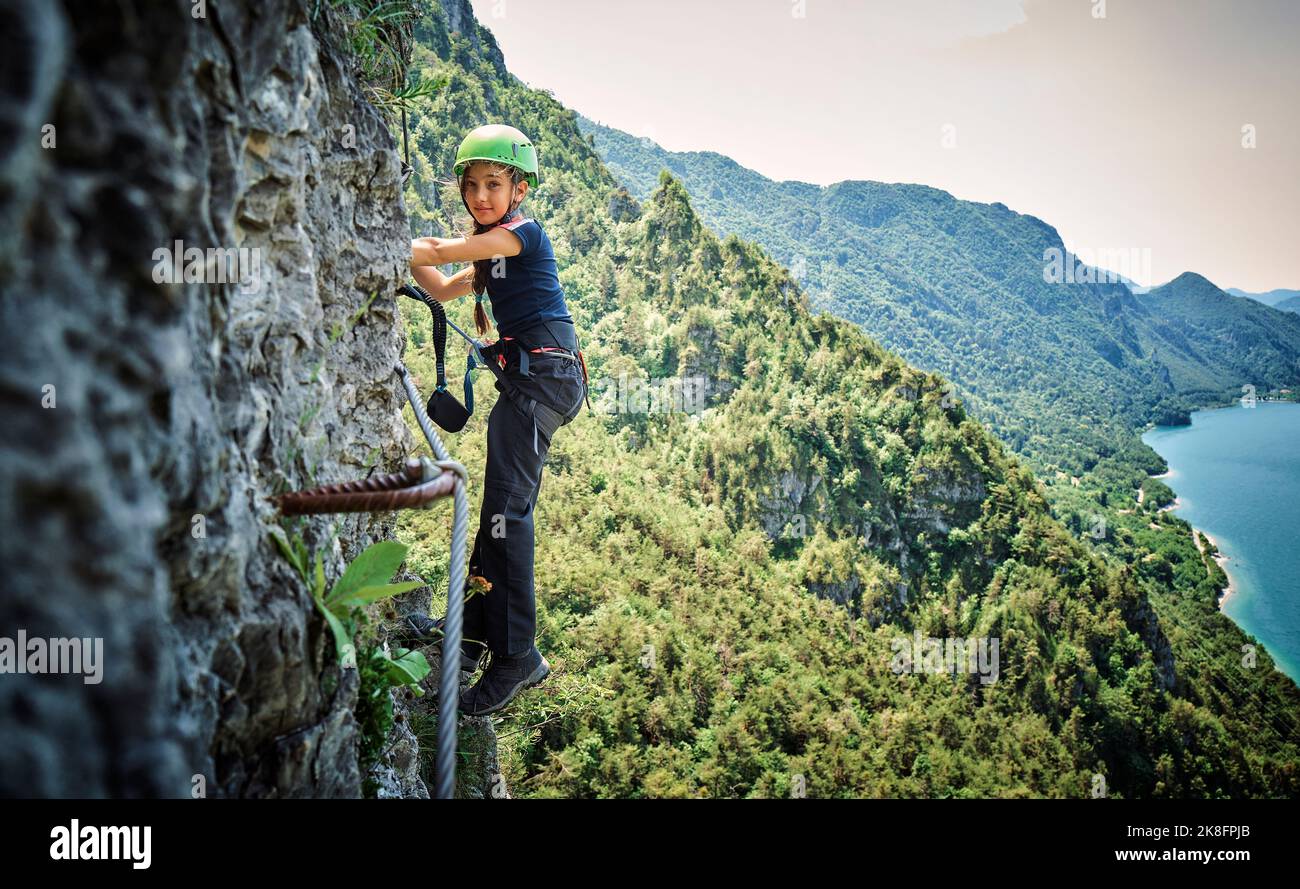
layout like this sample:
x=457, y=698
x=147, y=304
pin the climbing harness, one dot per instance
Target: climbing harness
x=493, y=356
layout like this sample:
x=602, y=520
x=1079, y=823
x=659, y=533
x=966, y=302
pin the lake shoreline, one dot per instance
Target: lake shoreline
x=1222, y=560
x=1222, y=406
x=1228, y=591
x=1238, y=471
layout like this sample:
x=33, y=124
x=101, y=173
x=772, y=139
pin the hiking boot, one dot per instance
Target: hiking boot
x=504, y=679
x=424, y=628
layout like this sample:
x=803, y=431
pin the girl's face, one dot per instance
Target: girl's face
x=488, y=191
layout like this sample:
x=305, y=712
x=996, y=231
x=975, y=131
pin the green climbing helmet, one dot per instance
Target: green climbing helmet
x=502, y=144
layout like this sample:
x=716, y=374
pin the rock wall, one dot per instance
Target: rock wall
x=146, y=423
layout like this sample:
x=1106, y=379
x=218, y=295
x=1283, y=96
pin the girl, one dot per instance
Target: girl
x=542, y=383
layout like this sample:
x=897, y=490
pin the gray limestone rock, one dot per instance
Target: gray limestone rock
x=147, y=421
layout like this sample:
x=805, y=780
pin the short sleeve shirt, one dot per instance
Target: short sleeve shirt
x=525, y=289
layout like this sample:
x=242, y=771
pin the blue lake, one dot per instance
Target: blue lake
x=1236, y=472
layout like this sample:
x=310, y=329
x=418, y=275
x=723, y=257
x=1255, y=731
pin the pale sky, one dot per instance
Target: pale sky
x=1122, y=131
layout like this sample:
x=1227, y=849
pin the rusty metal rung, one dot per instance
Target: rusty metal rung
x=404, y=489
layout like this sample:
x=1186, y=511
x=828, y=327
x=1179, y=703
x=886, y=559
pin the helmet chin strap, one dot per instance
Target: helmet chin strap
x=511, y=213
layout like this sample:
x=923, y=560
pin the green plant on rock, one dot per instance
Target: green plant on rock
x=364, y=581
x=380, y=669
x=379, y=38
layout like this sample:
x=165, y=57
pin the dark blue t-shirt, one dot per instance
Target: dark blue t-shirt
x=525, y=289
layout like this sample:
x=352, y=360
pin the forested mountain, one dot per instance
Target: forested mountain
x=722, y=590
x=1065, y=371
x=1204, y=336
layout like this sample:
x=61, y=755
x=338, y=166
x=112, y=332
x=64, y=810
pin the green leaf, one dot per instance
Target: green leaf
x=366, y=595
x=318, y=588
x=342, y=641
x=287, y=551
x=372, y=568
x=409, y=669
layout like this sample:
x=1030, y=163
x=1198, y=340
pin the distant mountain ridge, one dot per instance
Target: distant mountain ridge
x=1271, y=298
x=1202, y=330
